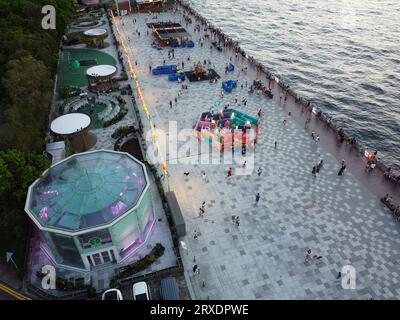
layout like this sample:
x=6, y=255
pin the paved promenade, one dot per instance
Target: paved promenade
x=264, y=258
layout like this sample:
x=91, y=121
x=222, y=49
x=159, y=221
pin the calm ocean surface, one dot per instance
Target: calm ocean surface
x=342, y=54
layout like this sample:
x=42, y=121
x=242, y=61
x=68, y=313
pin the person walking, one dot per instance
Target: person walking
x=276, y=142
x=257, y=197
x=170, y=104
x=342, y=168
x=230, y=172
x=308, y=255
x=201, y=212
x=314, y=172
x=308, y=120
x=204, y=177
x=319, y=165
x=339, y=277
x=259, y=171
x=234, y=219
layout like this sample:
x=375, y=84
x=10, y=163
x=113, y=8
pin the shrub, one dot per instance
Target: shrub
x=121, y=132
x=114, y=283
x=141, y=264
x=117, y=118
x=92, y=293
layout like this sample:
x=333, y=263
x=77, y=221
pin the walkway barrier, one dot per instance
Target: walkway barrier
x=176, y=214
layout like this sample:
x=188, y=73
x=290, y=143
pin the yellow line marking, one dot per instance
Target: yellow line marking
x=13, y=293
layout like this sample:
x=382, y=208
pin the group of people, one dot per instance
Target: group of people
x=202, y=210
x=236, y=220
x=260, y=87
x=389, y=202
x=317, y=167
x=221, y=40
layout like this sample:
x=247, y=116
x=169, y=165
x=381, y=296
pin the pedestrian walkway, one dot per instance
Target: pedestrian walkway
x=263, y=258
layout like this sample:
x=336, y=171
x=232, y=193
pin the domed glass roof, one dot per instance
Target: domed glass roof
x=87, y=190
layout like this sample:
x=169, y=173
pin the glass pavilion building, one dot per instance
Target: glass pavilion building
x=92, y=208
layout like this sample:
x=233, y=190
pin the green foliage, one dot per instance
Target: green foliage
x=160, y=187
x=20, y=170
x=70, y=285
x=92, y=293
x=28, y=91
x=139, y=265
x=122, y=132
x=159, y=184
x=64, y=91
x=17, y=171
x=28, y=62
x=122, y=113
x=114, y=283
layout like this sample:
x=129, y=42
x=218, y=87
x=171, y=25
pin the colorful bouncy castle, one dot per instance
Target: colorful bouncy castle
x=228, y=129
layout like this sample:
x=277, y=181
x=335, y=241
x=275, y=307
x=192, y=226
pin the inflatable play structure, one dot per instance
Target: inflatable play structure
x=173, y=72
x=168, y=69
x=230, y=68
x=182, y=44
x=176, y=76
x=227, y=129
x=229, y=85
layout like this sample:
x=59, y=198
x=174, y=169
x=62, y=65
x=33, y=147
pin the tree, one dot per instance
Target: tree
x=17, y=171
x=28, y=62
x=28, y=88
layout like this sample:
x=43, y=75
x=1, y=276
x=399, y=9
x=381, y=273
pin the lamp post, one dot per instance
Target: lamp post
x=116, y=4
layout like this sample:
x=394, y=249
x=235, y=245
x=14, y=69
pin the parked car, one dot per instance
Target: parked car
x=140, y=291
x=169, y=289
x=112, y=294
